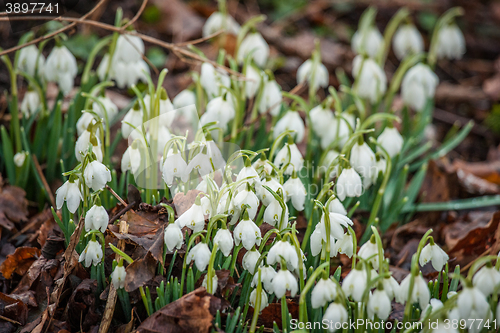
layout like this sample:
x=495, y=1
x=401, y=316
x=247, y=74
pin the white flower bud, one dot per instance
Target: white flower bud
x=432, y=252
x=323, y=293
x=118, y=277
x=286, y=251
x=451, y=42
x=200, y=253
x=472, y=303
x=371, y=79
x=248, y=233
x=173, y=237
x=335, y=313
x=370, y=249
x=349, y=184
x=250, y=260
x=217, y=22
x=420, y=294
x=92, y=255
x=354, y=284
x=134, y=118
x=69, y=192
x=316, y=75
x=291, y=156
x=271, y=98
x=267, y=274
x=263, y=299
x=19, y=158
x=96, y=219
x=96, y=175
x=184, y=98
x=215, y=282
x=61, y=67
x=283, y=281
x=363, y=161
x=224, y=241
x=367, y=42
x=418, y=85
x=391, y=141
x=30, y=103
x=193, y=218
x=255, y=47
x=211, y=79
x=407, y=41
x=31, y=60
x=486, y=279
x=296, y=191
x=291, y=121
x=379, y=304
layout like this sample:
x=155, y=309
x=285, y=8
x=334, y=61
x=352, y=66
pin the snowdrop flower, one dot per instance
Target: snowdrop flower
x=349, y=184
x=84, y=122
x=250, y=260
x=129, y=48
x=61, y=68
x=296, y=191
x=337, y=129
x=391, y=287
x=31, y=60
x=248, y=174
x=335, y=206
x=432, y=252
x=118, y=276
x=321, y=119
x=371, y=79
x=273, y=213
x=407, y=40
x=285, y=250
x=254, y=47
x=434, y=305
x=379, y=304
x=69, y=192
x=337, y=221
x=368, y=42
x=218, y=110
x=317, y=241
x=82, y=146
x=201, y=163
x=224, y=241
x=472, y=303
x=290, y=157
x=134, y=118
x=290, y=121
x=264, y=195
x=252, y=82
x=323, y=293
x=263, y=166
x=200, y=253
x=450, y=43
x=92, y=254
x=344, y=245
x=110, y=109
x=380, y=168
x=131, y=159
x=391, y=141
x=184, y=98
x=96, y=219
x=271, y=98
x=212, y=79
x=247, y=232
x=283, y=281
x=30, y=103
x=335, y=313
x=218, y=21
x=314, y=73
x=486, y=279
x=263, y=299
x=193, y=218
x=363, y=161
x=173, y=237
x=370, y=249
x=96, y=175
x=19, y=158
x=215, y=282
x=267, y=274
x=354, y=284
x=420, y=294
x=246, y=198
x=174, y=166
x=418, y=85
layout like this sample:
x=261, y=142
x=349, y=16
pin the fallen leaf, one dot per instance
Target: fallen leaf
x=20, y=261
x=272, y=313
x=13, y=206
x=81, y=309
x=139, y=272
x=13, y=309
x=183, y=202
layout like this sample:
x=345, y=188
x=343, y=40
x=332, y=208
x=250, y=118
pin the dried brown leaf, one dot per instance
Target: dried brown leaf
x=139, y=272
x=13, y=206
x=20, y=261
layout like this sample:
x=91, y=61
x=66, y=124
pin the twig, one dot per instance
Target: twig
x=121, y=212
x=116, y=195
x=10, y=320
x=136, y=16
x=44, y=181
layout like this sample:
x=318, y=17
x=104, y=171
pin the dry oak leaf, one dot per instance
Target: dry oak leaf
x=20, y=261
x=13, y=206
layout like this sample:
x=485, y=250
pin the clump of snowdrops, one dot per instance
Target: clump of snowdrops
x=258, y=155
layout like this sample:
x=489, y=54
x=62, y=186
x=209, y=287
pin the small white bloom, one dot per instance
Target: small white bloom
x=118, y=277
x=263, y=166
x=218, y=21
x=184, y=98
x=218, y=110
x=370, y=249
x=96, y=219
x=267, y=274
x=110, y=109
x=335, y=206
x=31, y=60
x=248, y=233
x=434, y=305
x=286, y=251
x=30, y=103
x=407, y=40
x=391, y=287
x=420, y=294
x=380, y=168
x=273, y=212
x=193, y=218
x=69, y=192
x=283, y=281
x=263, y=299
x=96, y=175
x=391, y=141
x=472, y=303
x=371, y=79
x=61, y=67
x=296, y=191
x=200, y=163
x=486, y=279
x=215, y=282
x=173, y=237
x=345, y=245
x=317, y=241
x=379, y=304
x=134, y=118
x=338, y=129
x=211, y=79
x=264, y=195
x=363, y=161
x=335, y=313
x=367, y=42
x=418, y=85
x=435, y=254
x=129, y=49
x=321, y=119
x=82, y=146
x=291, y=121
x=316, y=75
x=337, y=221
x=224, y=241
x=323, y=293
x=250, y=260
x=349, y=184
x=19, y=158
x=255, y=47
x=92, y=255
x=271, y=98
x=248, y=174
x=290, y=157
x=252, y=81
x=131, y=159
x=451, y=42
x=248, y=198
x=354, y=284
x=200, y=253
x=174, y=166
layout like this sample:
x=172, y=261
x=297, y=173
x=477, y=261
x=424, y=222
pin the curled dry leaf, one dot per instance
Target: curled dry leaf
x=81, y=308
x=139, y=272
x=13, y=206
x=20, y=261
x=13, y=309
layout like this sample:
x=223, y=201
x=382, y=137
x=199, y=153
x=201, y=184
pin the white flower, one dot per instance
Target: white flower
x=248, y=233
x=131, y=159
x=296, y=191
x=317, y=241
x=345, y=245
x=486, y=279
x=31, y=60
x=201, y=163
x=271, y=98
x=255, y=47
x=363, y=161
x=96, y=219
x=110, y=109
x=450, y=43
x=314, y=73
x=250, y=260
x=173, y=237
x=472, y=303
x=379, y=304
x=391, y=287
x=248, y=174
x=61, y=68
x=129, y=49
x=434, y=305
x=96, y=175
x=224, y=241
x=212, y=79
x=215, y=282
x=420, y=294
x=321, y=119
x=252, y=81
x=370, y=249
x=354, y=284
x=127, y=66
x=371, y=79
x=134, y=118
x=267, y=274
x=82, y=146
x=218, y=110
x=335, y=206
x=19, y=158
x=273, y=212
x=248, y=198
x=69, y=192
x=264, y=195
x=290, y=157
x=432, y=252
x=335, y=313
x=184, y=98
x=118, y=277
x=263, y=299
x=30, y=103
x=174, y=166
x=337, y=129
x=368, y=42
x=391, y=141
x=290, y=121
x=193, y=218
x=84, y=121
x=349, y=184
x=218, y=21
x=92, y=255
x=283, y=281
x=337, y=221
x=407, y=40
x=380, y=167
x=286, y=251
x=418, y=85
x=323, y=293
x=200, y=253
